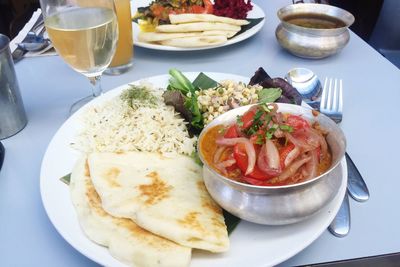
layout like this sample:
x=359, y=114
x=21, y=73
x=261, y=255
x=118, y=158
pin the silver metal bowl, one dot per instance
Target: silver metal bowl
x=277, y=205
x=311, y=42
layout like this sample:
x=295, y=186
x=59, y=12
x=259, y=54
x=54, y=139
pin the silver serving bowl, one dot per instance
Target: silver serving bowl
x=277, y=205
x=311, y=42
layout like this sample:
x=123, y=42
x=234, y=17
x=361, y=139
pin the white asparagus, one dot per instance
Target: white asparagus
x=161, y=36
x=201, y=41
x=187, y=18
x=197, y=27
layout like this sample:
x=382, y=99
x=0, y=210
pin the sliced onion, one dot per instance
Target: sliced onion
x=250, y=151
x=218, y=153
x=227, y=163
x=301, y=142
x=292, y=155
x=312, y=165
x=321, y=140
x=279, y=133
x=292, y=169
x=268, y=159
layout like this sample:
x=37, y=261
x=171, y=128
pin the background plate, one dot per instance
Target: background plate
x=256, y=12
x=251, y=244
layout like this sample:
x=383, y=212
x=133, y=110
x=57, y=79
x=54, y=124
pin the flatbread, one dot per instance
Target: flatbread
x=150, y=37
x=197, y=27
x=126, y=241
x=166, y=196
x=186, y=18
x=199, y=41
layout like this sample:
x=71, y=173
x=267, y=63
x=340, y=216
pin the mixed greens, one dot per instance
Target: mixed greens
x=183, y=95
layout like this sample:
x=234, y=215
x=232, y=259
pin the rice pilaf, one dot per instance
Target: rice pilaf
x=115, y=126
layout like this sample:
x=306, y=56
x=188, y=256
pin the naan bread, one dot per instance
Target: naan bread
x=126, y=241
x=186, y=18
x=196, y=41
x=197, y=27
x=166, y=196
x=150, y=37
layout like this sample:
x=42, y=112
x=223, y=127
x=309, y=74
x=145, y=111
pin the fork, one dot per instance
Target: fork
x=332, y=99
x=332, y=106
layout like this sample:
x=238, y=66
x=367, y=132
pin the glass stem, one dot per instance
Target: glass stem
x=96, y=88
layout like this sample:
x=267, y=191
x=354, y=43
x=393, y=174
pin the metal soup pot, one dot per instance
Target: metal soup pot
x=277, y=205
x=309, y=42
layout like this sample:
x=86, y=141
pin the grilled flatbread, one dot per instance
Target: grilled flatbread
x=200, y=41
x=166, y=196
x=197, y=27
x=186, y=18
x=160, y=36
x=126, y=241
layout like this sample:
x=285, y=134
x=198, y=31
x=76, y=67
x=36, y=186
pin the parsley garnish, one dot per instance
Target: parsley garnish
x=286, y=128
x=239, y=121
x=270, y=132
x=138, y=96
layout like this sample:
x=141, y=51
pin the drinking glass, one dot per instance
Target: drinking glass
x=122, y=60
x=84, y=33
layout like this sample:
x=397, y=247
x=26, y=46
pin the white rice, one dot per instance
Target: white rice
x=114, y=126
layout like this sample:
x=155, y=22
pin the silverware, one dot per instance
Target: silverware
x=20, y=51
x=356, y=185
x=308, y=85
x=332, y=105
x=33, y=46
x=340, y=226
x=332, y=99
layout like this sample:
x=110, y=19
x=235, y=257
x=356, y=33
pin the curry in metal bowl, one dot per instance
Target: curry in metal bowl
x=313, y=30
x=275, y=164
x=265, y=147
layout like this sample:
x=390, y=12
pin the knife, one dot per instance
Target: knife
x=340, y=226
x=356, y=185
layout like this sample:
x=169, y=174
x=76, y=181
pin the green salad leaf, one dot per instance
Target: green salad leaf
x=231, y=221
x=269, y=95
x=66, y=179
x=253, y=22
x=202, y=81
x=179, y=82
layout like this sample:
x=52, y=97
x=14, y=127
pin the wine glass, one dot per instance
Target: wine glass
x=84, y=33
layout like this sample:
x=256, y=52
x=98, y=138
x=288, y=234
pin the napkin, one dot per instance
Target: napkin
x=48, y=50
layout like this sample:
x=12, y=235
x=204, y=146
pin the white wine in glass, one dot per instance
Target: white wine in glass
x=84, y=34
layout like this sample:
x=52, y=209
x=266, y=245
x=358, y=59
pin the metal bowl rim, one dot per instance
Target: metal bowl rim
x=340, y=29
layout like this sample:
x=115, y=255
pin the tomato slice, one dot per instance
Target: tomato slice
x=208, y=7
x=283, y=153
x=297, y=122
x=232, y=132
x=247, y=118
x=239, y=153
x=196, y=9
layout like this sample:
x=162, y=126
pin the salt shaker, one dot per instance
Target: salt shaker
x=12, y=113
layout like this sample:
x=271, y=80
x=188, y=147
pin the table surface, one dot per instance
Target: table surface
x=371, y=94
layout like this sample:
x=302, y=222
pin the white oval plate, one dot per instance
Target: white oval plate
x=251, y=244
x=256, y=12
